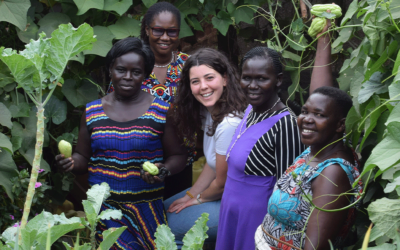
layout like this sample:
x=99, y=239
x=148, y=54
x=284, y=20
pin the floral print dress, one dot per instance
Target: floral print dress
x=289, y=209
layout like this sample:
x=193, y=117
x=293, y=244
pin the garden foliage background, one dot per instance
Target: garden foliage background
x=367, y=38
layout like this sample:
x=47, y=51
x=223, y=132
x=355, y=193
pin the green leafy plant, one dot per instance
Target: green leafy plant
x=45, y=229
x=39, y=68
x=193, y=240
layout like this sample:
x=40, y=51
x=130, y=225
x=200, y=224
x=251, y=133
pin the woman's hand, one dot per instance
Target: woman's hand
x=179, y=207
x=64, y=165
x=178, y=203
x=151, y=179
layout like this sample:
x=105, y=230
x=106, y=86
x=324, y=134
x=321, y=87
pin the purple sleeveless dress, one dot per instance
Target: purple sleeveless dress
x=245, y=200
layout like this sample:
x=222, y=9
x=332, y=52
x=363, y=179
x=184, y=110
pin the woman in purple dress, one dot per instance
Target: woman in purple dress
x=264, y=145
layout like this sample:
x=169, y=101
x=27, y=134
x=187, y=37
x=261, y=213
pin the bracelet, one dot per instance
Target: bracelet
x=189, y=194
x=198, y=198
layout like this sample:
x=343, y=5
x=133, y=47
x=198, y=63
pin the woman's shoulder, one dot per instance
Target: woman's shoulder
x=182, y=57
x=95, y=103
x=232, y=119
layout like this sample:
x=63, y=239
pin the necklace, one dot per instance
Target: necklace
x=251, y=124
x=163, y=66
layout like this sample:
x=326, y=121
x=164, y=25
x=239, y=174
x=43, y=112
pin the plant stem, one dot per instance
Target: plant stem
x=273, y=24
x=35, y=168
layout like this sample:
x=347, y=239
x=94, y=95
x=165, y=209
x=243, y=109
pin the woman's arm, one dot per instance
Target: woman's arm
x=322, y=71
x=324, y=226
x=77, y=163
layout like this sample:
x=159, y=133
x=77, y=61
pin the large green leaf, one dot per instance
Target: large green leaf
x=55, y=110
x=386, y=153
x=194, y=238
x=55, y=233
x=85, y=5
x=29, y=155
x=23, y=70
x=165, y=239
x=31, y=32
x=67, y=42
x=373, y=113
x=5, y=116
x=185, y=29
x=119, y=6
x=394, y=88
x=109, y=214
x=353, y=7
x=125, y=27
x=8, y=170
x=79, y=96
x=16, y=136
x=149, y=3
x=91, y=214
x=372, y=86
x=244, y=14
x=382, y=59
x=20, y=110
x=385, y=214
x=222, y=21
x=15, y=12
x=110, y=236
x=29, y=132
x=5, y=143
x=97, y=194
x=51, y=21
x=104, y=41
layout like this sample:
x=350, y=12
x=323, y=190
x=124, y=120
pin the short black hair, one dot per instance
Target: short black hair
x=132, y=44
x=265, y=52
x=342, y=99
x=153, y=11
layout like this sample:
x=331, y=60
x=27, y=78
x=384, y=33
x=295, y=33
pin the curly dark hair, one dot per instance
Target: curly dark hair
x=341, y=98
x=131, y=44
x=187, y=115
x=153, y=11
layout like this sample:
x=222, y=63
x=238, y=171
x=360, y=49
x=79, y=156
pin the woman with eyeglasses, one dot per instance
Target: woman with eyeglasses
x=160, y=29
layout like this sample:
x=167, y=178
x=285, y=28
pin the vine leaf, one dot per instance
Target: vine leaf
x=119, y=6
x=5, y=116
x=372, y=86
x=104, y=42
x=31, y=32
x=85, y=5
x=385, y=214
x=390, y=187
x=8, y=170
x=149, y=3
x=394, y=115
x=222, y=22
x=244, y=14
x=110, y=236
x=125, y=27
x=5, y=143
x=51, y=21
x=386, y=153
x=378, y=64
x=79, y=95
x=185, y=29
x=353, y=7
x=55, y=110
x=394, y=88
x=15, y=12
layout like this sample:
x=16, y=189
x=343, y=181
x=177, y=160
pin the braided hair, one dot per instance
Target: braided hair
x=265, y=52
x=153, y=11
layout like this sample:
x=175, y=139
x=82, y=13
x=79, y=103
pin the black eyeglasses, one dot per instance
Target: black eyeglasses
x=160, y=31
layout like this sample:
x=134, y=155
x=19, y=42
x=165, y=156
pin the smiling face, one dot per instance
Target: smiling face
x=260, y=83
x=207, y=85
x=319, y=122
x=163, y=45
x=127, y=74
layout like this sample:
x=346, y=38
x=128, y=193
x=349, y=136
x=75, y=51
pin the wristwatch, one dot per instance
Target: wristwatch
x=198, y=198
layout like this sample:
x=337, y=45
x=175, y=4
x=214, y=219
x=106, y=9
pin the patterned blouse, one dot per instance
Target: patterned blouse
x=288, y=209
x=166, y=91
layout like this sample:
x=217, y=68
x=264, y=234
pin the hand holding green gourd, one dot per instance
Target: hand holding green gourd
x=151, y=168
x=317, y=26
x=65, y=148
x=319, y=9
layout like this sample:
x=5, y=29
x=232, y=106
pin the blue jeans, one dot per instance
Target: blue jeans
x=181, y=223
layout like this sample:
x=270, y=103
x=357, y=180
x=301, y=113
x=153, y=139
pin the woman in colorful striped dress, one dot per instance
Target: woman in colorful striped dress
x=118, y=133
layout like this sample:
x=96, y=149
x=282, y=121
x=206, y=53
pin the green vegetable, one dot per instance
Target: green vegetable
x=65, y=148
x=151, y=168
x=319, y=9
x=317, y=26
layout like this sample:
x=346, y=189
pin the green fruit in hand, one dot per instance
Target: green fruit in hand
x=65, y=148
x=317, y=26
x=318, y=9
x=151, y=168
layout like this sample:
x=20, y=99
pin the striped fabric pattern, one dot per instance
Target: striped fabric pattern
x=276, y=150
x=118, y=150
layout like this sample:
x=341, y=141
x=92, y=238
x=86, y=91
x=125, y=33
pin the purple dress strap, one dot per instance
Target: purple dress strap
x=245, y=199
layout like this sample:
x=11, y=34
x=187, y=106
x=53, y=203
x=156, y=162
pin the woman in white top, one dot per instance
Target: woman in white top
x=209, y=98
